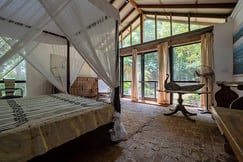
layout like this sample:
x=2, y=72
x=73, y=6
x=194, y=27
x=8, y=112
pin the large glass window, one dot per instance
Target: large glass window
x=149, y=30
x=197, y=26
x=150, y=74
x=179, y=27
x=136, y=33
x=185, y=59
x=147, y=75
x=126, y=41
x=127, y=75
x=163, y=29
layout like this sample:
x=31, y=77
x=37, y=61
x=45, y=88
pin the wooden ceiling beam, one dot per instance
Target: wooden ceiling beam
x=122, y=7
x=188, y=14
x=129, y=24
x=112, y=1
x=134, y=4
x=127, y=15
x=202, y=5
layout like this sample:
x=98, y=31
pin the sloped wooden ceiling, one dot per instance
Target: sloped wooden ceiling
x=201, y=11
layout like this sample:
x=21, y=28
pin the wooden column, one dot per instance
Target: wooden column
x=171, y=24
x=68, y=66
x=141, y=28
x=116, y=100
x=155, y=23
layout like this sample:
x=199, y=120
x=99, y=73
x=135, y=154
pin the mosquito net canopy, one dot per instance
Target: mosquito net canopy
x=40, y=32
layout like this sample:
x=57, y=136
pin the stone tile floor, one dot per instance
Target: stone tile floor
x=153, y=137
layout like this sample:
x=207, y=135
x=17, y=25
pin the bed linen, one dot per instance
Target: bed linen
x=31, y=126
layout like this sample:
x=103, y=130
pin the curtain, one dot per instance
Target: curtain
x=208, y=60
x=134, y=90
x=163, y=57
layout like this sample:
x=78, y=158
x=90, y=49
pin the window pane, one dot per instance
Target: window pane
x=127, y=68
x=197, y=26
x=127, y=75
x=150, y=74
x=126, y=41
x=139, y=75
x=163, y=29
x=149, y=30
x=185, y=60
x=127, y=88
x=18, y=73
x=136, y=36
x=178, y=28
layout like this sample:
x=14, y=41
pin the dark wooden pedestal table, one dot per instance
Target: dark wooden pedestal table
x=180, y=106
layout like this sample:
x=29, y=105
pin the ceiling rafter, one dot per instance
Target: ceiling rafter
x=112, y=1
x=188, y=14
x=131, y=22
x=122, y=7
x=134, y=4
x=202, y=5
x=127, y=15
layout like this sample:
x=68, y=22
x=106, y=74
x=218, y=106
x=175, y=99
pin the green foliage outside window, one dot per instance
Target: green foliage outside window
x=149, y=30
x=127, y=68
x=126, y=41
x=136, y=36
x=178, y=28
x=185, y=60
x=163, y=29
x=197, y=26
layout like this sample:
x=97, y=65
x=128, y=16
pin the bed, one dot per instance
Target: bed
x=31, y=126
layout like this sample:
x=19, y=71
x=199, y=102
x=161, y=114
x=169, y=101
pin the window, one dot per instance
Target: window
x=126, y=41
x=163, y=29
x=136, y=34
x=13, y=68
x=127, y=75
x=184, y=60
x=147, y=75
x=150, y=74
x=149, y=30
x=179, y=27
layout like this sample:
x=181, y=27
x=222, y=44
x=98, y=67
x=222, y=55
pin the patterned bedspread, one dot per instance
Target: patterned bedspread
x=31, y=126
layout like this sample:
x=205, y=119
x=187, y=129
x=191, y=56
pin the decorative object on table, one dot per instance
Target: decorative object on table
x=207, y=73
x=175, y=86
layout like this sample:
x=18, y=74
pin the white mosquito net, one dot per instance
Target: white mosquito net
x=88, y=25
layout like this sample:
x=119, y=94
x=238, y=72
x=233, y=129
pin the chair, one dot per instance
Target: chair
x=104, y=91
x=237, y=103
x=10, y=90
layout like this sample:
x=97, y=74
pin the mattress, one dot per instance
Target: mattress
x=31, y=126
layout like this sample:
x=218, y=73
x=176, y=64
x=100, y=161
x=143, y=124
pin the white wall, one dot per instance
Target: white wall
x=36, y=84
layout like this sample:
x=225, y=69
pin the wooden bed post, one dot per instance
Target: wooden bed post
x=68, y=66
x=116, y=100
